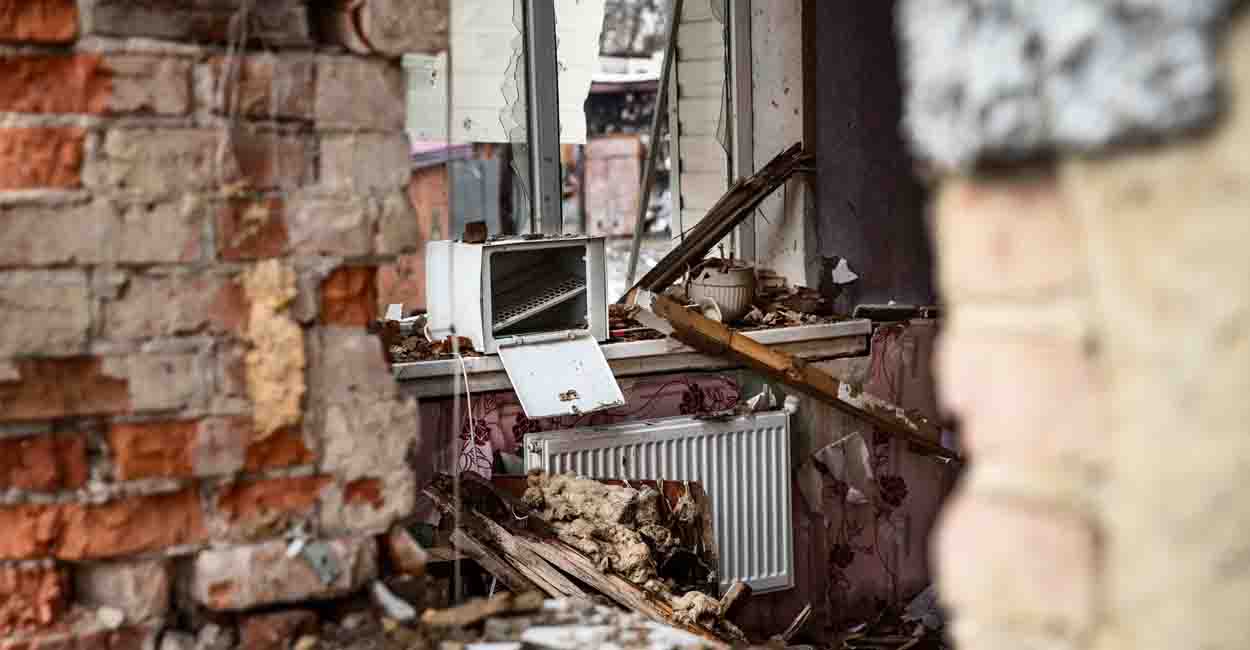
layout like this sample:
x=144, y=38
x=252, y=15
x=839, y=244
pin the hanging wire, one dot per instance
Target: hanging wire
x=457, y=569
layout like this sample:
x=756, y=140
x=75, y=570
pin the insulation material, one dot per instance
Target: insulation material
x=276, y=362
x=488, y=98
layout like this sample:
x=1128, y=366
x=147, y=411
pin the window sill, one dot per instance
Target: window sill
x=431, y=379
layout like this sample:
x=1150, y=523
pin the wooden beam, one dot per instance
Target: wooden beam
x=702, y=333
x=494, y=563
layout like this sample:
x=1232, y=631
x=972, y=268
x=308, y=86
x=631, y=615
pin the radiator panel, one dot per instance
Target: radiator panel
x=743, y=464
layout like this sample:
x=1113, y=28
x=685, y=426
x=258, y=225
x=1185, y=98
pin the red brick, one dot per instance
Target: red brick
x=275, y=631
x=153, y=449
x=365, y=490
x=32, y=158
x=33, y=597
x=132, y=525
x=282, y=448
x=270, y=500
x=269, y=160
x=213, y=446
x=44, y=463
x=54, y=84
x=84, y=632
x=38, y=21
x=349, y=297
x=52, y=388
x=75, y=531
x=267, y=86
x=251, y=229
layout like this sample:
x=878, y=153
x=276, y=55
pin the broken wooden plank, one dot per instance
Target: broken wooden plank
x=493, y=563
x=797, y=625
x=702, y=333
x=490, y=534
x=618, y=589
x=732, y=208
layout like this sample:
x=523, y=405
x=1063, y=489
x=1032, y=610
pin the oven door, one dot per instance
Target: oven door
x=559, y=373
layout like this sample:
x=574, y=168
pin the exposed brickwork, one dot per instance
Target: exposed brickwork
x=251, y=229
x=41, y=158
x=349, y=297
x=38, y=21
x=180, y=224
x=126, y=526
x=43, y=463
x=33, y=597
x=275, y=631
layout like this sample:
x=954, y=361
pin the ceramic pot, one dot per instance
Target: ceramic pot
x=728, y=283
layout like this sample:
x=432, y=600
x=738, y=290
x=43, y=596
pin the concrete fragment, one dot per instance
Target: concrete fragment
x=243, y=577
x=139, y=590
x=391, y=605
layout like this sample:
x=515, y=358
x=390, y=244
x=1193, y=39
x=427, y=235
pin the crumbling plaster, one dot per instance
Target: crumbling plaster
x=1015, y=79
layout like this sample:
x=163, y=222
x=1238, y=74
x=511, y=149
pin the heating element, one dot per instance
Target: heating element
x=742, y=462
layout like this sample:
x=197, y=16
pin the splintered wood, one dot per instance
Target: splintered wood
x=571, y=537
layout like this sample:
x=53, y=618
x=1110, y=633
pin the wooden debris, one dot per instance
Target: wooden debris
x=732, y=208
x=533, y=550
x=492, y=562
x=797, y=624
x=470, y=613
x=709, y=336
x=475, y=232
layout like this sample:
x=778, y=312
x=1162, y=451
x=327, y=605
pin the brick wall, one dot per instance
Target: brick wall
x=190, y=232
x=1097, y=356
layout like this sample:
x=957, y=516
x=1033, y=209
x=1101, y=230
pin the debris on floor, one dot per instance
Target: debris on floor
x=646, y=546
x=918, y=627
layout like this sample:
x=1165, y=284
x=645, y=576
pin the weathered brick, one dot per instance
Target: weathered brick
x=251, y=229
x=349, y=296
x=268, y=160
x=243, y=577
x=84, y=631
x=38, y=21
x=404, y=552
x=334, y=227
x=1002, y=593
x=46, y=463
x=94, y=84
x=206, y=447
x=365, y=162
x=398, y=228
x=176, y=304
x=44, y=312
x=170, y=19
x=54, y=84
x=139, y=589
x=369, y=505
x=168, y=232
x=34, y=597
x=392, y=427
x=101, y=232
x=53, y=388
x=356, y=93
x=146, y=84
x=261, y=85
x=262, y=509
x=159, y=162
x=162, y=382
x=275, y=23
x=275, y=631
x=34, y=158
x=346, y=364
x=76, y=531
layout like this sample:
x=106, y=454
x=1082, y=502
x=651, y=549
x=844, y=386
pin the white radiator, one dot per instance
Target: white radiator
x=742, y=462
